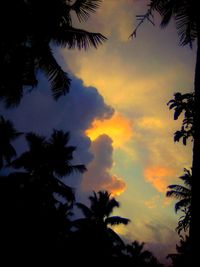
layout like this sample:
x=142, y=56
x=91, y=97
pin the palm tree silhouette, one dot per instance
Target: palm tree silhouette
x=184, y=195
x=48, y=160
x=31, y=30
x=39, y=204
x=102, y=206
x=94, y=234
x=7, y=134
x=140, y=257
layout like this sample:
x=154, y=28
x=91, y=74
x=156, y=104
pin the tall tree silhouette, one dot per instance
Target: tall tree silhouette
x=184, y=196
x=7, y=134
x=29, y=30
x=99, y=241
x=40, y=201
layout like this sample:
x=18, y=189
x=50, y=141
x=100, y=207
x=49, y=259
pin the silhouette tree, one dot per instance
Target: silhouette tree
x=96, y=239
x=182, y=258
x=29, y=30
x=39, y=203
x=140, y=257
x=184, y=195
x=183, y=103
x=101, y=208
x=48, y=160
x=7, y=134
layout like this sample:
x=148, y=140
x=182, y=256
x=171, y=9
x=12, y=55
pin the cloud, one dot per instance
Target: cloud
x=98, y=176
x=118, y=128
x=159, y=177
x=151, y=123
x=157, y=201
x=153, y=202
x=75, y=112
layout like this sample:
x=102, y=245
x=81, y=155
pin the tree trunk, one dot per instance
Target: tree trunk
x=195, y=223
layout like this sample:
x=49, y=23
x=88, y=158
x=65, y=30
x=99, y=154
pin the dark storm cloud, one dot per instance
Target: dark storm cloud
x=75, y=112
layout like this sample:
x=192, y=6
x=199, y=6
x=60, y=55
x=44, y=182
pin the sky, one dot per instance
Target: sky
x=118, y=118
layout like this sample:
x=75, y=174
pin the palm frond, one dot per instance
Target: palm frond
x=63, y=189
x=115, y=237
x=185, y=16
x=187, y=177
x=72, y=38
x=35, y=141
x=178, y=192
x=59, y=137
x=83, y=8
x=60, y=82
x=183, y=203
x=80, y=168
x=86, y=211
x=11, y=94
x=186, y=26
x=116, y=220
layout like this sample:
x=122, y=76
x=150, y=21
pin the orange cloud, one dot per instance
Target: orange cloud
x=159, y=177
x=118, y=128
x=116, y=186
x=113, y=184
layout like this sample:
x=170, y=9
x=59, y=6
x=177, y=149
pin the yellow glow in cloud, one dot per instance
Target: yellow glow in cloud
x=118, y=128
x=113, y=184
x=151, y=123
x=159, y=177
x=116, y=186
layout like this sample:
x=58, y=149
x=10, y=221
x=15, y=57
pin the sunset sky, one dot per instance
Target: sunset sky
x=119, y=120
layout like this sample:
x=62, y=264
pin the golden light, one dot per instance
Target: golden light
x=159, y=177
x=118, y=128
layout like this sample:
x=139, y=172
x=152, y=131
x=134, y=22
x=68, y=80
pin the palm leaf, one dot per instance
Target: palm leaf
x=59, y=79
x=72, y=38
x=59, y=137
x=83, y=8
x=185, y=16
x=115, y=237
x=183, y=203
x=116, y=220
x=86, y=211
x=185, y=24
x=178, y=192
x=80, y=168
x=63, y=189
x=11, y=94
x=187, y=177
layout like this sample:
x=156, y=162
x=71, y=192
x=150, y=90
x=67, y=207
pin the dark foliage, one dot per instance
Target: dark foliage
x=29, y=29
x=183, y=104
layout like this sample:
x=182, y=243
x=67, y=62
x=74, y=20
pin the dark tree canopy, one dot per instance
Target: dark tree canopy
x=29, y=30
